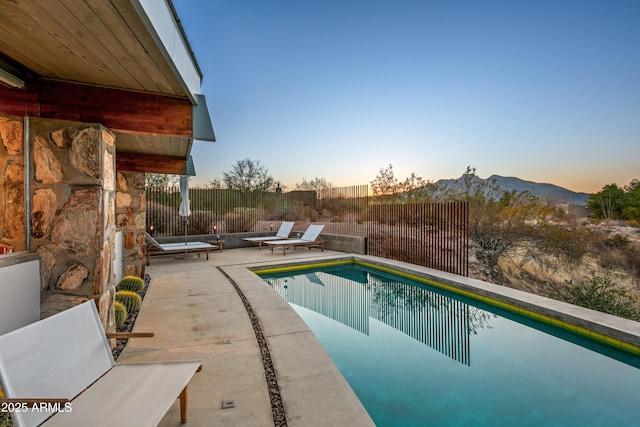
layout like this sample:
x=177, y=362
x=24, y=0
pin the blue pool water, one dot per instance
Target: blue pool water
x=419, y=356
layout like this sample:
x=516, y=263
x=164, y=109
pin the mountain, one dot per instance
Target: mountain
x=542, y=190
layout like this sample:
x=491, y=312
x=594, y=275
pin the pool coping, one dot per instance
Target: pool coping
x=616, y=332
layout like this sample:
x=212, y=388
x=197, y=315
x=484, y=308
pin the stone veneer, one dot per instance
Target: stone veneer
x=73, y=214
x=12, y=229
x=131, y=205
x=77, y=203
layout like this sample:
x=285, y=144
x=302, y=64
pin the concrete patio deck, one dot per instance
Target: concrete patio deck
x=196, y=313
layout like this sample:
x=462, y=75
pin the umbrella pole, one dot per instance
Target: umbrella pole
x=186, y=254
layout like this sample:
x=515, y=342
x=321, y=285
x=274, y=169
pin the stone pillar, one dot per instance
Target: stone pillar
x=131, y=206
x=73, y=214
x=12, y=226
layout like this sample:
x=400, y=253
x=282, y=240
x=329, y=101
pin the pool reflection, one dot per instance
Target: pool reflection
x=353, y=297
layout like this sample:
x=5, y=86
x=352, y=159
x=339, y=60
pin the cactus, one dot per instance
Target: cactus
x=130, y=283
x=121, y=314
x=131, y=300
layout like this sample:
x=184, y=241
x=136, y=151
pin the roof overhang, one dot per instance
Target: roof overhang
x=125, y=64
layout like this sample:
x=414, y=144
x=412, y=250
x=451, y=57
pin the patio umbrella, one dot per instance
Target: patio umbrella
x=185, y=204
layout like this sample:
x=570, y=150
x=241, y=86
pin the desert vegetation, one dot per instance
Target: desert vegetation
x=516, y=239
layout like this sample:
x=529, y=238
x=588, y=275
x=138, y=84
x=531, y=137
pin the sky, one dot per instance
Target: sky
x=547, y=91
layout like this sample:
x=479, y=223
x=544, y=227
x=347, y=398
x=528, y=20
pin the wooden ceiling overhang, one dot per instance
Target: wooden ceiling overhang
x=125, y=64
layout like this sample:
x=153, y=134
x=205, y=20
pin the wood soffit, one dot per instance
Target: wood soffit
x=94, y=61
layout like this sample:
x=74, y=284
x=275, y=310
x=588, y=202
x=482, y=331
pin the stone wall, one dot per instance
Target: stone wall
x=73, y=213
x=12, y=226
x=131, y=205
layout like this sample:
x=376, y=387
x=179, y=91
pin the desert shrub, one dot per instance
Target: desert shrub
x=382, y=214
x=621, y=259
x=633, y=223
x=158, y=215
x=611, y=259
x=240, y=220
x=618, y=241
x=601, y=293
x=311, y=214
x=274, y=214
x=296, y=211
x=571, y=243
x=200, y=222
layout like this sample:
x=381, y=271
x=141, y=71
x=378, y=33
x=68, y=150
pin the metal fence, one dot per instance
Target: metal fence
x=429, y=234
x=433, y=235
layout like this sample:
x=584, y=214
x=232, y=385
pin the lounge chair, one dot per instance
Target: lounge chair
x=156, y=248
x=309, y=239
x=62, y=367
x=283, y=233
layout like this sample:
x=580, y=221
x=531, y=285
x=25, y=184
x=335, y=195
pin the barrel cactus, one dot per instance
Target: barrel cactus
x=131, y=283
x=121, y=314
x=131, y=300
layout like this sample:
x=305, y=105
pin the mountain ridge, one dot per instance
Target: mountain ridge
x=554, y=192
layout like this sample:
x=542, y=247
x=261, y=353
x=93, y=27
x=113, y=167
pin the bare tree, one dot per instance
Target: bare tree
x=316, y=184
x=216, y=183
x=249, y=175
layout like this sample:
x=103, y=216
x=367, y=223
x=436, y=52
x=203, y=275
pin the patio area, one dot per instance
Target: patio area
x=196, y=313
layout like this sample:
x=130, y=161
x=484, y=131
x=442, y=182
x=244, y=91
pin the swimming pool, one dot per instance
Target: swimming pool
x=418, y=355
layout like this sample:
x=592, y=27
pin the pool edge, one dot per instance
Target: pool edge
x=612, y=331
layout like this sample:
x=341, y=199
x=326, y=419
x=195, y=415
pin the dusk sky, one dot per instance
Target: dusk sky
x=548, y=91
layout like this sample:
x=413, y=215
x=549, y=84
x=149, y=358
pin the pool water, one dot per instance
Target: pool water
x=418, y=356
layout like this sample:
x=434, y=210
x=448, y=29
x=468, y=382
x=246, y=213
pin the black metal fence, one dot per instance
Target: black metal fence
x=433, y=235
x=232, y=211
x=429, y=234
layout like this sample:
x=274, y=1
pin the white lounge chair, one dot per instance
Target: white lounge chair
x=283, y=233
x=309, y=238
x=156, y=248
x=62, y=367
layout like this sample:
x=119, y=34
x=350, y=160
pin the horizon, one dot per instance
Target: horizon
x=543, y=91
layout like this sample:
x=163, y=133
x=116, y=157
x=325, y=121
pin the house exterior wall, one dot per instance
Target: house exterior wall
x=72, y=190
x=131, y=205
x=77, y=202
x=12, y=226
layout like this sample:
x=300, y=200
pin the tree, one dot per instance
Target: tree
x=498, y=220
x=248, y=175
x=413, y=189
x=316, y=184
x=474, y=190
x=607, y=202
x=613, y=202
x=159, y=181
x=216, y=183
x=631, y=202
